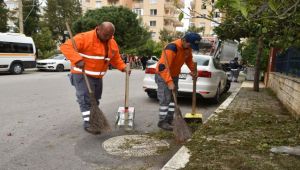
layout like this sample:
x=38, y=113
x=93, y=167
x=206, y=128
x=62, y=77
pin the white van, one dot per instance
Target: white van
x=17, y=52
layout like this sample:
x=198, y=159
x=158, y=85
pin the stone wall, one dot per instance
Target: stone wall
x=287, y=90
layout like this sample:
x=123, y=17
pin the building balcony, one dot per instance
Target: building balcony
x=177, y=23
x=113, y=1
x=193, y=5
x=168, y=17
x=169, y=5
x=170, y=28
x=180, y=4
x=137, y=5
x=174, y=19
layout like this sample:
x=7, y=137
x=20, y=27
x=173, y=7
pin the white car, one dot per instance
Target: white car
x=152, y=60
x=57, y=63
x=211, y=82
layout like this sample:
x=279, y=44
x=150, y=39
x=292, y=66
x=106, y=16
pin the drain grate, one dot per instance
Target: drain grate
x=134, y=145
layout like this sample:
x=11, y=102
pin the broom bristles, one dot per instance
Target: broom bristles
x=181, y=130
x=98, y=122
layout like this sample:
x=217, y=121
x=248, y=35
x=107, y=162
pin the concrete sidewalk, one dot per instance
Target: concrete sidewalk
x=181, y=158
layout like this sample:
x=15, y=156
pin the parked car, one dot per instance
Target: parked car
x=151, y=60
x=211, y=81
x=56, y=63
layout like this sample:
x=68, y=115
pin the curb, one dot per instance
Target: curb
x=179, y=160
x=181, y=157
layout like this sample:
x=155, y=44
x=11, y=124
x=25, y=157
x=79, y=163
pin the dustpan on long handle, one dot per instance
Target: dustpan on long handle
x=125, y=114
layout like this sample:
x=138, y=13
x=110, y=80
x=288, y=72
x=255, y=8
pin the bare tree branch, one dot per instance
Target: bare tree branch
x=204, y=17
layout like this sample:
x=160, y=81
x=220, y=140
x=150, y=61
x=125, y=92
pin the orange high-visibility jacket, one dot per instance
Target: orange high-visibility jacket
x=92, y=51
x=176, y=56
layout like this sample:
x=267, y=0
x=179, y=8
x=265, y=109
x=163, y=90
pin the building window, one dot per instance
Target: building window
x=152, y=23
x=138, y=11
x=153, y=34
x=11, y=6
x=203, y=6
x=167, y=22
x=217, y=15
x=98, y=4
x=153, y=1
x=153, y=12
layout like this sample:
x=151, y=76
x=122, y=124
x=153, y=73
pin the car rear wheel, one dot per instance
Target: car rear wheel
x=16, y=68
x=216, y=99
x=152, y=95
x=60, y=68
x=227, y=86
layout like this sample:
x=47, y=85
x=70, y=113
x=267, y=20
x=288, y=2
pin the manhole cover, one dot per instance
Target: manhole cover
x=134, y=145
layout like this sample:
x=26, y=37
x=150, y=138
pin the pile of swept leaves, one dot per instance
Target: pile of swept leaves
x=239, y=139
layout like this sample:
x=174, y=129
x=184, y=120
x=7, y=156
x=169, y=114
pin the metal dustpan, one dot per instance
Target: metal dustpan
x=125, y=114
x=193, y=117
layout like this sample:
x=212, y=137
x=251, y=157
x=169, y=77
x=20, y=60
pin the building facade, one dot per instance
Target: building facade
x=155, y=14
x=202, y=9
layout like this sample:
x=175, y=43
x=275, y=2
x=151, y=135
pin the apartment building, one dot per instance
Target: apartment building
x=94, y=4
x=12, y=5
x=201, y=9
x=155, y=14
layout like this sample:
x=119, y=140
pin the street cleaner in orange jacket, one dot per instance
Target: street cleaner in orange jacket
x=177, y=53
x=96, y=50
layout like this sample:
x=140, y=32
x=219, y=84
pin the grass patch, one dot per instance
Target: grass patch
x=162, y=149
x=161, y=135
x=242, y=139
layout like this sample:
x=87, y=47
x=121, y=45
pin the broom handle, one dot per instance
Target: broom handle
x=168, y=68
x=194, y=89
x=76, y=49
x=127, y=85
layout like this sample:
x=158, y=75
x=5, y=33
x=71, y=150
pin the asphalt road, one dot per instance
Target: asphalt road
x=41, y=126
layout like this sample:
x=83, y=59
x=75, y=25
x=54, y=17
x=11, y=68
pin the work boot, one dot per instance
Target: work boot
x=163, y=124
x=87, y=128
x=169, y=119
x=86, y=124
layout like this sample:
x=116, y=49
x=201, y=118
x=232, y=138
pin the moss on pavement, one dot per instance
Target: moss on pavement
x=242, y=136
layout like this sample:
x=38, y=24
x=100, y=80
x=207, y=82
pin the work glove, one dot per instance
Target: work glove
x=171, y=85
x=129, y=70
x=193, y=75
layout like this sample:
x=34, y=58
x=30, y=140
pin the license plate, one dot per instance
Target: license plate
x=182, y=76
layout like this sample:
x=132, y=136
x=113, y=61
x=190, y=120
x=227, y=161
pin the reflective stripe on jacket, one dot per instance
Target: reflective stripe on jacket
x=176, y=58
x=92, y=51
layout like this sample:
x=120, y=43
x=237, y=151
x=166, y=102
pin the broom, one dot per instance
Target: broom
x=181, y=130
x=98, y=122
x=194, y=117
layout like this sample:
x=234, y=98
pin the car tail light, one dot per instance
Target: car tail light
x=203, y=92
x=206, y=74
x=150, y=71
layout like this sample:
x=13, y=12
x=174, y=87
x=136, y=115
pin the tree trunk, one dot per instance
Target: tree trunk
x=258, y=60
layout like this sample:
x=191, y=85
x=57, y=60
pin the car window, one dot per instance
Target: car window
x=154, y=58
x=202, y=61
x=59, y=57
x=217, y=64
